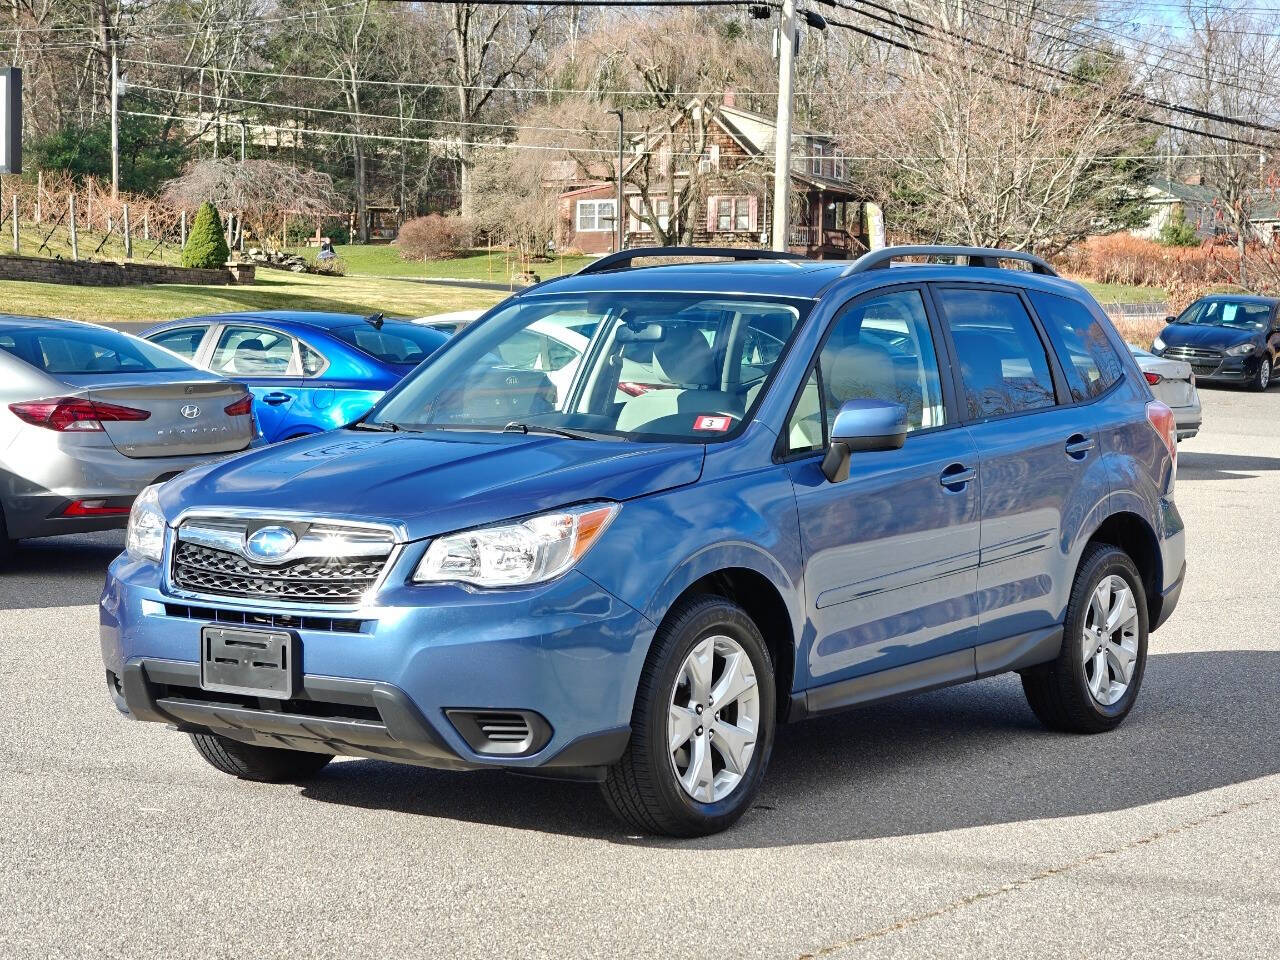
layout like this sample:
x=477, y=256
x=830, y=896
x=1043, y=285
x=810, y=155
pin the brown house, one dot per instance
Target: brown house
x=732, y=202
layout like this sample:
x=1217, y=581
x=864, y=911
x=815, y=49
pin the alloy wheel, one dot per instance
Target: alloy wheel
x=713, y=719
x=1110, y=640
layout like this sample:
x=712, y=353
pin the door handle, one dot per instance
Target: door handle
x=1078, y=446
x=957, y=476
x=277, y=398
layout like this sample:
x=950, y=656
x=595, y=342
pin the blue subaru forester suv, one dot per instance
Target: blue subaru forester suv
x=751, y=492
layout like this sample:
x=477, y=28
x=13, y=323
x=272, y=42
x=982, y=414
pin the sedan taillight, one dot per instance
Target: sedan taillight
x=74, y=414
x=241, y=408
x=1153, y=378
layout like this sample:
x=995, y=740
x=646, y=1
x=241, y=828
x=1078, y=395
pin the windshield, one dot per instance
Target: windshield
x=1227, y=313
x=89, y=350
x=653, y=366
x=393, y=342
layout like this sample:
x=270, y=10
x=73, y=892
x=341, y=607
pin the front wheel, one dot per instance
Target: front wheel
x=263, y=764
x=1262, y=378
x=1092, y=685
x=702, y=727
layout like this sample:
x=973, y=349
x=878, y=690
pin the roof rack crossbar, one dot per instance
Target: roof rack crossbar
x=976, y=257
x=622, y=260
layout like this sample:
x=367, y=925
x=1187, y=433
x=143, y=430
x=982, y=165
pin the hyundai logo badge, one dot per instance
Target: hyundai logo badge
x=190, y=411
x=269, y=543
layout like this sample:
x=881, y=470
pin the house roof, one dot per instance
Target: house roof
x=1185, y=192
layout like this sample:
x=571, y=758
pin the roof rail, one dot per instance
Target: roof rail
x=976, y=257
x=623, y=258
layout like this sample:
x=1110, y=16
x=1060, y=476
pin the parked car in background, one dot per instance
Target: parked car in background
x=308, y=371
x=1172, y=382
x=90, y=416
x=453, y=322
x=1226, y=338
x=858, y=483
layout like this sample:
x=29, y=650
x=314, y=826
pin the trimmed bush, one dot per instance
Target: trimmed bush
x=206, y=243
x=433, y=237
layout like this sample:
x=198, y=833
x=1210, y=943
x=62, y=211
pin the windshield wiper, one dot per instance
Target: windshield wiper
x=381, y=426
x=515, y=426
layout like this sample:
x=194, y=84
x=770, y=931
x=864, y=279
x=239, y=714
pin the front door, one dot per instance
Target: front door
x=891, y=552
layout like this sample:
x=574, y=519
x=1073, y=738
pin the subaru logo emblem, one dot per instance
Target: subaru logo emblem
x=190, y=411
x=269, y=543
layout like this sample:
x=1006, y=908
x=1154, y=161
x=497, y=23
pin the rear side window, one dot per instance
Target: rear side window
x=91, y=350
x=1091, y=363
x=184, y=341
x=252, y=352
x=1002, y=359
x=402, y=343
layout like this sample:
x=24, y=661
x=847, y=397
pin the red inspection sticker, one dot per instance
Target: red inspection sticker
x=716, y=424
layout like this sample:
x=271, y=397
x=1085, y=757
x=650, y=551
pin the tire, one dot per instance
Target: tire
x=261, y=764
x=644, y=788
x=1262, y=376
x=1069, y=693
x=7, y=547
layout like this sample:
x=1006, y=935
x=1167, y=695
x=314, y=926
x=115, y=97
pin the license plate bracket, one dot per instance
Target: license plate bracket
x=256, y=663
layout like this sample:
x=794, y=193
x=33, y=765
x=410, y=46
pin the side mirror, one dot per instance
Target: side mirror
x=1169, y=320
x=863, y=425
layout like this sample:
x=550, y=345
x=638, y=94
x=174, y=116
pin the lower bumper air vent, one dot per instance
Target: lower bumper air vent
x=510, y=733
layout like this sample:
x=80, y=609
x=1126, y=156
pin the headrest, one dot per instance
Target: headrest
x=684, y=356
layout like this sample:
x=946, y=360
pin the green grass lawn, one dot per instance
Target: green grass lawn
x=273, y=290
x=1124, y=293
x=383, y=260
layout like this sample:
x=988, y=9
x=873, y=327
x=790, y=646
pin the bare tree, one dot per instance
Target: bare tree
x=1230, y=54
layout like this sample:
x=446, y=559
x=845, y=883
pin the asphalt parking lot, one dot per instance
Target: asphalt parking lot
x=949, y=824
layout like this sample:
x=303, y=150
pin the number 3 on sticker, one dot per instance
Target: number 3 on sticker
x=715, y=424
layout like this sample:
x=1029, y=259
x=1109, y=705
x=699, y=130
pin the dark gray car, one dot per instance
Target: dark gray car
x=89, y=416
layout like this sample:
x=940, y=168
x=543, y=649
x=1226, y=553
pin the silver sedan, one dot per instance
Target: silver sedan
x=89, y=416
x=1174, y=384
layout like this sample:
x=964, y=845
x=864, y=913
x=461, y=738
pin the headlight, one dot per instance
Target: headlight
x=1239, y=350
x=145, y=537
x=1157, y=344
x=516, y=554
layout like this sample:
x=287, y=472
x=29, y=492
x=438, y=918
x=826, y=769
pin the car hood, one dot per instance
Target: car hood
x=431, y=483
x=1204, y=335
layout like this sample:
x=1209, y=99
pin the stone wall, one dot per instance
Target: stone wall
x=107, y=274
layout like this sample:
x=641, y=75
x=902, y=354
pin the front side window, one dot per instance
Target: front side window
x=686, y=367
x=1002, y=358
x=879, y=349
x=184, y=341
x=595, y=215
x=252, y=352
x=1090, y=361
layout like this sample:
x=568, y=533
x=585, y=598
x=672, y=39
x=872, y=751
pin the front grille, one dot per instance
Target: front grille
x=250, y=618
x=333, y=564
x=1194, y=355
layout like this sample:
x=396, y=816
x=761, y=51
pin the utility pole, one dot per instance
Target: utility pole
x=617, y=210
x=115, y=125
x=782, y=142
x=242, y=142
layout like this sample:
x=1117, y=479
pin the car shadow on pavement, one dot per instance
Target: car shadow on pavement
x=968, y=756
x=1222, y=466
x=58, y=571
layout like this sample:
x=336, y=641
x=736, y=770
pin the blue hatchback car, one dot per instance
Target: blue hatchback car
x=834, y=484
x=308, y=371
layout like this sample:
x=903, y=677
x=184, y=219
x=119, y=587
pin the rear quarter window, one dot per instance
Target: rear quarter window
x=1090, y=361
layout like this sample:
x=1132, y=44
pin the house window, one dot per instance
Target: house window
x=595, y=215
x=839, y=165
x=733, y=213
x=816, y=160
x=661, y=206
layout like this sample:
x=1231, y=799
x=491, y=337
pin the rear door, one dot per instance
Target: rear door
x=891, y=552
x=1041, y=468
x=266, y=361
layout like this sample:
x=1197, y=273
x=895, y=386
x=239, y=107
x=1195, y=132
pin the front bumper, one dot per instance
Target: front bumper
x=381, y=680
